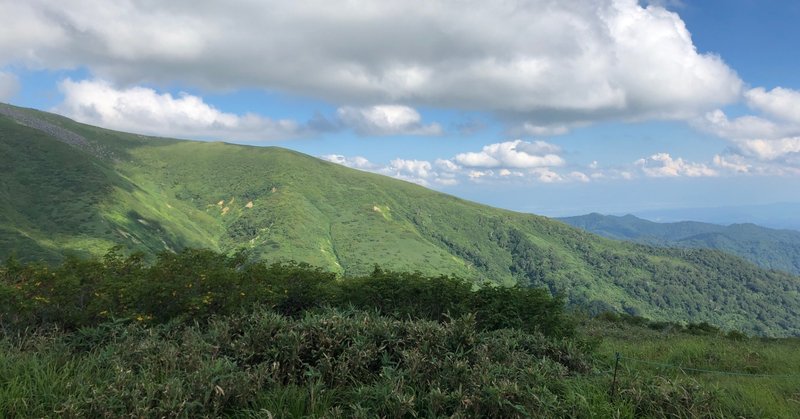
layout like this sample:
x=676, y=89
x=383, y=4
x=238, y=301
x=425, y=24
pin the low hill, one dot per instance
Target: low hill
x=74, y=189
x=766, y=247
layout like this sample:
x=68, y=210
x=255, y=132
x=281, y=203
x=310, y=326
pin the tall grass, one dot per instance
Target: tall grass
x=752, y=378
x=199, y=334
x=335, y=362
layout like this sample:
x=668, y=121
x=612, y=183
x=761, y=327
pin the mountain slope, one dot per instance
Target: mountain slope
x=766, y=247
x=68, y=188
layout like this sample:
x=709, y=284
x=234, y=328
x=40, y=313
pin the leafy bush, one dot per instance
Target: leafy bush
x=336, y=362
x=196, y=284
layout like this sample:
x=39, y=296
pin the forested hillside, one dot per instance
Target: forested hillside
x=766, y=247
x=73, y=189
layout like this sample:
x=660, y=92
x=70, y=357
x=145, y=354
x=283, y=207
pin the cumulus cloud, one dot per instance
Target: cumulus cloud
x=767, y=143
x=9, y=85
x=779, y=102
x=548, y=63
x=741, y=128
x=356, y=162
x=441, y=172
x=385, y=120
x=663, y=165
x=513, y=154
x=770, y=149
x=511, y=161
x=733, y=163
x=417, y=171
x=143, y=110
x=546, y=175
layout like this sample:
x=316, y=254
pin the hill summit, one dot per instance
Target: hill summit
x=73, y=189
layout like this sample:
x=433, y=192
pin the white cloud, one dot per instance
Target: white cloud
x=143, y=110
x=743, y=127
x=477, y=174
x=733, y=163
x=386, y=120
x=663, y=165
x=768, y=143
x=579, y=176
x=512, y=161
x=417, y=171
x=779, y=102
x=9, y=85
x=447, y=165
x=418, y=168
x=356, y=162
x=422, y=172
x=547, y=63
x=546, y=175
x=770, y=149
x=513, y=154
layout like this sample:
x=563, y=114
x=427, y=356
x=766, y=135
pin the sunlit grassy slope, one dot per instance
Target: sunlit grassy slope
x=150, y=194
x=752, y=378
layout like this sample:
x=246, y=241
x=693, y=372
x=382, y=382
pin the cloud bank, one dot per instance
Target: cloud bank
x=541, y=64
x=767, y=142
x=385, y=120
x=509, y=161
x=143, y=110
x=664, y=165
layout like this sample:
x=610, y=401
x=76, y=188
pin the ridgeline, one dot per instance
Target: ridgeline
x=70, y=189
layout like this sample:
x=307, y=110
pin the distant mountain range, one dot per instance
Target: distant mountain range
x=69, y=189
x=784, y=215
x=766, y=247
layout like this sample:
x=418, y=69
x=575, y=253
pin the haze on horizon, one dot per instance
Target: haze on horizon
x=544, y=106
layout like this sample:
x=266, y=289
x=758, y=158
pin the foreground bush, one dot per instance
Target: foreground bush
x=197, y=284
x=199, y=334
x=339, y=363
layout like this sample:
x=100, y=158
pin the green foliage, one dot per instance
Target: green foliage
x=752, y=377
x=194, y=285
x=354, y=363
x=150, y=195
x=198, y=334
x=336, y=363
x=765, y=247
x=408, y=295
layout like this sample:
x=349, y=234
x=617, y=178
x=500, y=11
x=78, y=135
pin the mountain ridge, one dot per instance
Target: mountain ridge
x=766, y=247
x=149, y=194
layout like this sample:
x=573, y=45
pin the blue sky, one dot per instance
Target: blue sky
x=557, y=108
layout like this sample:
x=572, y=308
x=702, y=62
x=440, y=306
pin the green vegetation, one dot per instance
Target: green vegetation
x=748, y=378
x=766, y=247
x=74, y=190
x=196, y=284
x=199, y=334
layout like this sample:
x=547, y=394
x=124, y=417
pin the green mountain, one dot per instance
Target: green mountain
x=766, y=247
x=72, y=189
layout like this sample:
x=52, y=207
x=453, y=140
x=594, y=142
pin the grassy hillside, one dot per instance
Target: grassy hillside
x=766, y=247
x=744, y=378
x=69, y=188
